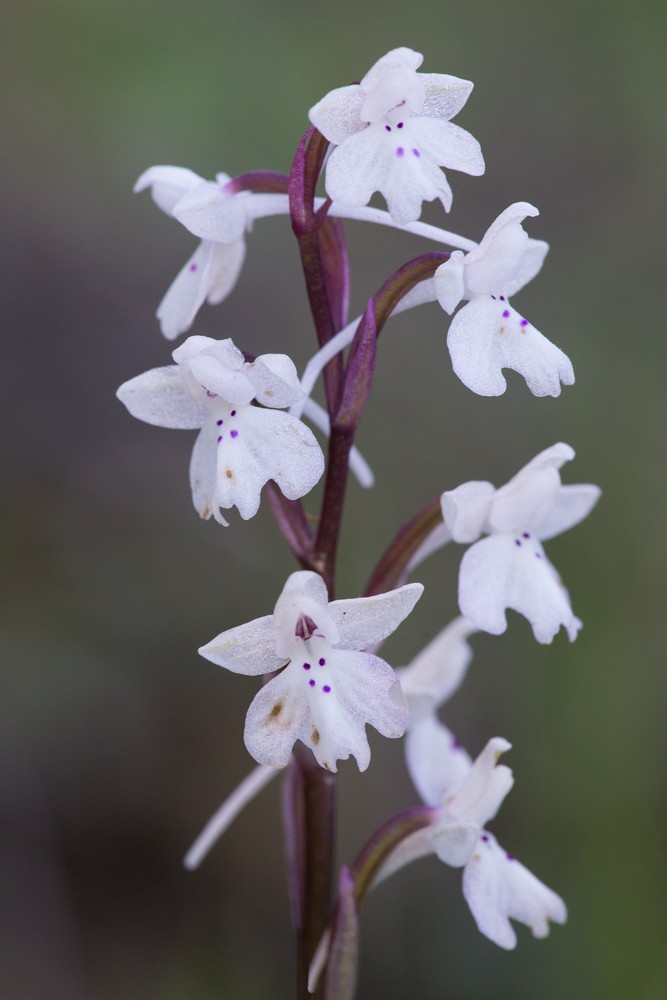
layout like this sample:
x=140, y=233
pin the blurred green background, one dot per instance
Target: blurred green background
x=118, y=740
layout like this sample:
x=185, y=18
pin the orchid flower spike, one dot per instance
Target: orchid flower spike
x=488, y=335
x=509, y=569
x=392, y=132
x=327, y=689
x=240, y=446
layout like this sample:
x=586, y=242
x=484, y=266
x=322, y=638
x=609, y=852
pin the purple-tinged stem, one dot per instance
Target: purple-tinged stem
x=306, y=224
x=309, y=808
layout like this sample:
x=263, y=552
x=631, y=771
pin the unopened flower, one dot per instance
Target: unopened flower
x=487, y=334
x=509, y=569
x=240, y=446
x=327, y=689
x=392, y=134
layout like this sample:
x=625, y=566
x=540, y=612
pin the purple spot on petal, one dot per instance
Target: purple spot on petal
x=524, y=322
x=526, y=534
x=219, y=423
x=400, y=125
x=485, y=838
x=234, y=434
x=322, y=661
x=193, y=267
x=517, y=541
x=233, y=413
x=311, y=683
x=493, y=297
x=211, y=395
x=502, y=298
x=506, y=313
x=306, y=666
x=538, y=555
x=415, y=152
x=455, y=745
x=220, y=439
x=510, y=857
x=388, y=128
x=326, y=689
x=400, y=151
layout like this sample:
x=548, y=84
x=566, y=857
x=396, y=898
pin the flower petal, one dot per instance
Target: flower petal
x=466, y=509
x=357, y=168
x=275, y=380
x=188, y=292
x=278, y=716
x=304, y=595
x=487, y=783
x=482, y=340
x=365, y=621
x=212, y=370
x=570, y=505
x=282, y=448
x=211, y=214
x=204, y=474
x=168, y=185
x=504, y=571
x=226, y=267
x=329, y=713
x=231, y=463
x=531, y=264
x=449, y=281
x=437, y=672
x=247, y=649
x=497, y=887
x=444, y=95
x=449, y=145
x=436, y=761
x=159, y=397
x=530, y=494
x=338, y=115
x=497, y=264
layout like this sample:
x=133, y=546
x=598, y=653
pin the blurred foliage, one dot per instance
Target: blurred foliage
x=119, y=740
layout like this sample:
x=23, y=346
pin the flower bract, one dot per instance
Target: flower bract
x=508, y=568
x=327, y=688
x=487, y=334
x=240, y=446
x=392, y=133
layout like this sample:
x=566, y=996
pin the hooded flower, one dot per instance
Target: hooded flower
x=496, y=886
x=240, y=446
x=327, y=689
x=220, y=218
x=488, y=335
x=392, y=133
x=509, y=569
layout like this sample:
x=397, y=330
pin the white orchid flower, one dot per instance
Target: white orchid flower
x=487, y=334
x=509, y=568
x=328, y=689
x=240, y=446
x=392, y=134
